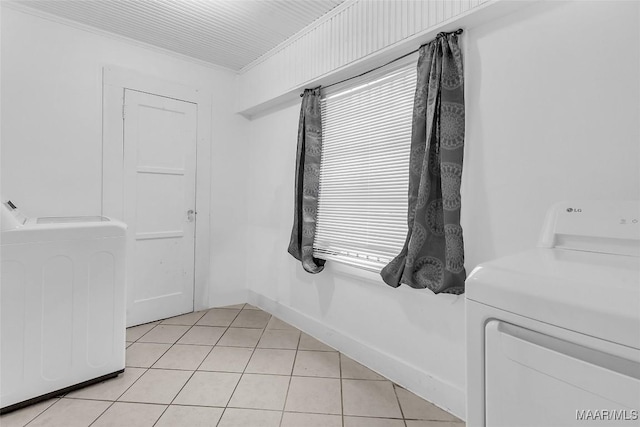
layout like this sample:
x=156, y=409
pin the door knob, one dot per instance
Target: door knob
x=191, y=215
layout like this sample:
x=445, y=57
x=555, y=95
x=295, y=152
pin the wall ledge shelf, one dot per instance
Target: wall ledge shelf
x=285, y=90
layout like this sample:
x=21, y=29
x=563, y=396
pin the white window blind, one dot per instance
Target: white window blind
x=364, y=171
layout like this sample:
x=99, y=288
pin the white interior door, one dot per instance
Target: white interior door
x=159, y=205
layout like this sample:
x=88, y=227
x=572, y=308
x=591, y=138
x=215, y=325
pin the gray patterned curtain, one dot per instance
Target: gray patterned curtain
x=307, y=182
x=433, y=253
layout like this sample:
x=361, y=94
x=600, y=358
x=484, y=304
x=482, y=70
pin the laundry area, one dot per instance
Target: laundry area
x=319, y=213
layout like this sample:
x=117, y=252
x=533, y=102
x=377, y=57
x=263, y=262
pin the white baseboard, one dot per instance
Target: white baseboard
x=439, y=392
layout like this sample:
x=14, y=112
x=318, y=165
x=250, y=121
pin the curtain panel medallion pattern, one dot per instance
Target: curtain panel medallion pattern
x=307, y=182
x=433, y=254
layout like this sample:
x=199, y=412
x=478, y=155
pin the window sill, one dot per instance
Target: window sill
x=344, y=269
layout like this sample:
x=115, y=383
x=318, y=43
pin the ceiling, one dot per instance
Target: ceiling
x=228, y=33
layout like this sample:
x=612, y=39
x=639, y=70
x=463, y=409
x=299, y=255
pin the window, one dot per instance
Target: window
x=364, y=171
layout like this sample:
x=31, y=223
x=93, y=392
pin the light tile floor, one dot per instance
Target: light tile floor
x=234, y=366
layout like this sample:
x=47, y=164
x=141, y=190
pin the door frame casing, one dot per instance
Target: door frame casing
x=114, y=82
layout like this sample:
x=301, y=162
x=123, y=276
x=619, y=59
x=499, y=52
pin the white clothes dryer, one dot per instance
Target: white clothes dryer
x=553, y=334
x=62, y=305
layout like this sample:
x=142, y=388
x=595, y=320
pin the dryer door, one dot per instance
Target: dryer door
x=538, y=380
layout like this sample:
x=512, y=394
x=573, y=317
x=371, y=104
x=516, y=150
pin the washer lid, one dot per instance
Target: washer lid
x=68, y=219
x=591, y=293
x=64, y=228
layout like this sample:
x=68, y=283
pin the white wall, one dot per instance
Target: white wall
x=552, y=108
x=553, y=101
x=52, y=128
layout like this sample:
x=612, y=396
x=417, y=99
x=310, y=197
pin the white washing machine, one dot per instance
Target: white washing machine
x=62, y=305
x=553, y=334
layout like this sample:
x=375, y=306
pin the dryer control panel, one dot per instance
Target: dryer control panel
x=611, y=227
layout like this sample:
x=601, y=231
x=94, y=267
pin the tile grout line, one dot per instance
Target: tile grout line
x=121, y=394
x=170, y=347
x=196, y=370
x=160, y=322
x=145, y=342
x=293, y=366
x=43, y=411
x=245, y=367
x=341, y=393
x=395, y=393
